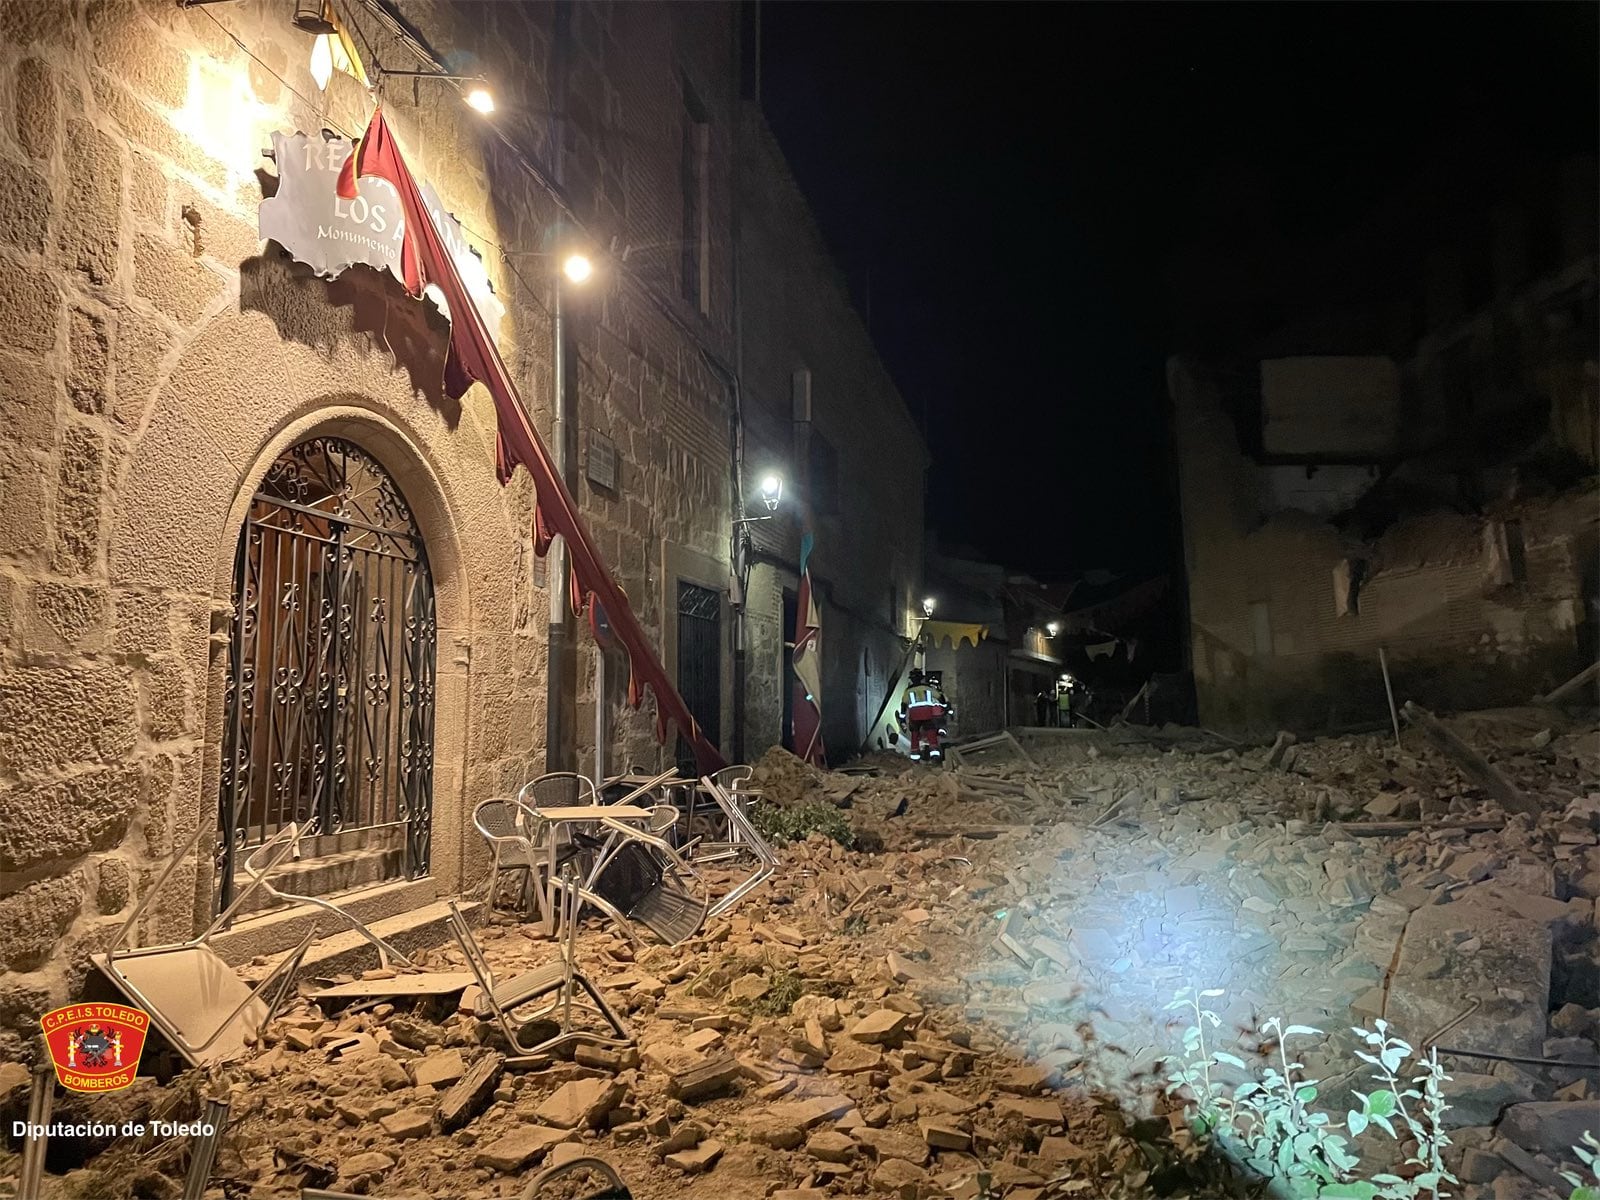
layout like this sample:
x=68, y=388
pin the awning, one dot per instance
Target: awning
x=951, y=634
x=473, y=356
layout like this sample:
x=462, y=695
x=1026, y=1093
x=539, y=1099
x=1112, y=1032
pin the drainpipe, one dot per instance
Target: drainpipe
x=560, y=671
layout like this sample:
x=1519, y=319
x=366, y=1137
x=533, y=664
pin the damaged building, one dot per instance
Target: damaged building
x=255, y=563
x=1404, y=467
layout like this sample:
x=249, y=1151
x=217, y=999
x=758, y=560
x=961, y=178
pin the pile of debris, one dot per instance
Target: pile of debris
x=979, y=1005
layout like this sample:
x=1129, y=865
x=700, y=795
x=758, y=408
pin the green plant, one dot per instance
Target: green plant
x=781, y=825
x=1590, y=1158
x=785, y=988
x=1269, y=1125
x=1422, y=1119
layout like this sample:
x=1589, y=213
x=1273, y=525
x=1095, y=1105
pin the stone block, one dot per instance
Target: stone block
x=148, y=191
x=140, y=345
x=113, y=887
x=78, y=518
x=88, y=233
x=29, y=306
x=89, y=338
x=131, y=51
x=58, y=821
x=1500, y=959
x=580, y=1103
x=1551, y=1127
x=25, y=21
x=57, y=716
x=164, y=697
x=520, y=1147
x=33, y=920
x=27, y=402
x=173, y=280
x=23, y=502
x=25, y=206
x=37, y=113
x=66, y=616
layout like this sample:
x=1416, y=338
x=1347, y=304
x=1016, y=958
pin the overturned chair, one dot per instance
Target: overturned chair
x=194, y=998
x=743, y=841
x=551, y=994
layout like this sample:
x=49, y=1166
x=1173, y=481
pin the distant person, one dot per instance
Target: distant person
x=1064, y=706
x=1043, y=702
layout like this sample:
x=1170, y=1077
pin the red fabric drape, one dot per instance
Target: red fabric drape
x=473, y=356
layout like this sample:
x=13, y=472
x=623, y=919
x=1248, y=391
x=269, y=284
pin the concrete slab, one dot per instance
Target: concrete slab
x=1453, y=954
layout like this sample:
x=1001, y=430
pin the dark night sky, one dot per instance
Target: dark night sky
x=1013, y=179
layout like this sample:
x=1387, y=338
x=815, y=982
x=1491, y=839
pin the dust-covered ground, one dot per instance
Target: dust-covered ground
x=978, y=996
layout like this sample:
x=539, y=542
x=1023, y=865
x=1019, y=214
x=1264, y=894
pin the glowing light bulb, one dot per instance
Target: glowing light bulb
x=577, y=268
x=480, y=100
x=322, y=60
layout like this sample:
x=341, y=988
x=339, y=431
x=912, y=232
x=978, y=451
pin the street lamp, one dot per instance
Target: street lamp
x=928, y=605
x=577, y=267
x=771, y=490
x=1053, y=628
x=479, y=100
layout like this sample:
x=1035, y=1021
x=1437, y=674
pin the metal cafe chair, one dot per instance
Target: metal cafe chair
x=194, y=998
x=260, y=877
x=557, y=985
x=499, y=822
x=742, y=839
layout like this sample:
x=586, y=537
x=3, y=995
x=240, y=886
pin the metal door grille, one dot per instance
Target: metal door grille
x=331, y=666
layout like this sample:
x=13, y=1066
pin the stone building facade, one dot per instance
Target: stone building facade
x=174, y=386
x=820, y=408
x=1416, y=474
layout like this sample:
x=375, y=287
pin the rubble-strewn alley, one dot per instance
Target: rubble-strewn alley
x=978, y=995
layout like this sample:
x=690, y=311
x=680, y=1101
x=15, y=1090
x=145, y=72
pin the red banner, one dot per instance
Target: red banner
x=473, y=356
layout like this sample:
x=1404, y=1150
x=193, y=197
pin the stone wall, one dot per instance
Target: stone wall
x=157, y=358
x=797, y=316
x=1275, y=641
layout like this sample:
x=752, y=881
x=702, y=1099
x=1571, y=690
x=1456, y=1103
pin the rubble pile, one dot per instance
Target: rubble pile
x=980, y=1001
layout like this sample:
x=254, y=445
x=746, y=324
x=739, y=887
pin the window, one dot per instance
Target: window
x=824, y=476
x=1261, y=628
x=694, y=187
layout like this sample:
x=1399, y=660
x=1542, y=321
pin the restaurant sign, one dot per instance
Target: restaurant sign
x=330, y=234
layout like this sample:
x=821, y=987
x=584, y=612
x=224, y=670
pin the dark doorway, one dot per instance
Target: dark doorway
x=791, y=613
x=700, y=664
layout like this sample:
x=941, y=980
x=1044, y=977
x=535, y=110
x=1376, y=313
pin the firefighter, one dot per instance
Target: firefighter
x=922, y=711
x=1064, y=702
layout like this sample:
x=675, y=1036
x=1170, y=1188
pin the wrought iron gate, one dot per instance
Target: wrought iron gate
x=331, y=664
x=700, y=663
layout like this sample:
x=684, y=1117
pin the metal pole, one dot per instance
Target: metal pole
x=41, y=1103
x=600, y=715
x=1388, y=690
x=203, y=1150
x=559, y=641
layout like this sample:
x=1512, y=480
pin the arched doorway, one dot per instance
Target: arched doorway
x=330, y=689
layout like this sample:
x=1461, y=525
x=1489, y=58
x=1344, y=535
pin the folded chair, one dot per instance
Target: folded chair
x=637, y=878
x=742, y=840
x=194, y=998
x=553, y=988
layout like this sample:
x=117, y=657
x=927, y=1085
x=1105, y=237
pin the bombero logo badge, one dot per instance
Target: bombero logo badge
x=95, y=1047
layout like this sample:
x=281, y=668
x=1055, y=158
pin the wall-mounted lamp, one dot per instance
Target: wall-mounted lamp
x=771, y=490
x=928, y=605
x=1053, y=628
x=576, y=266
x=477, y=98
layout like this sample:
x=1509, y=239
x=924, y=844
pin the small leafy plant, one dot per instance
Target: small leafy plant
x=781, y=825
x=1589, y=1155
x=1269, y=1125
